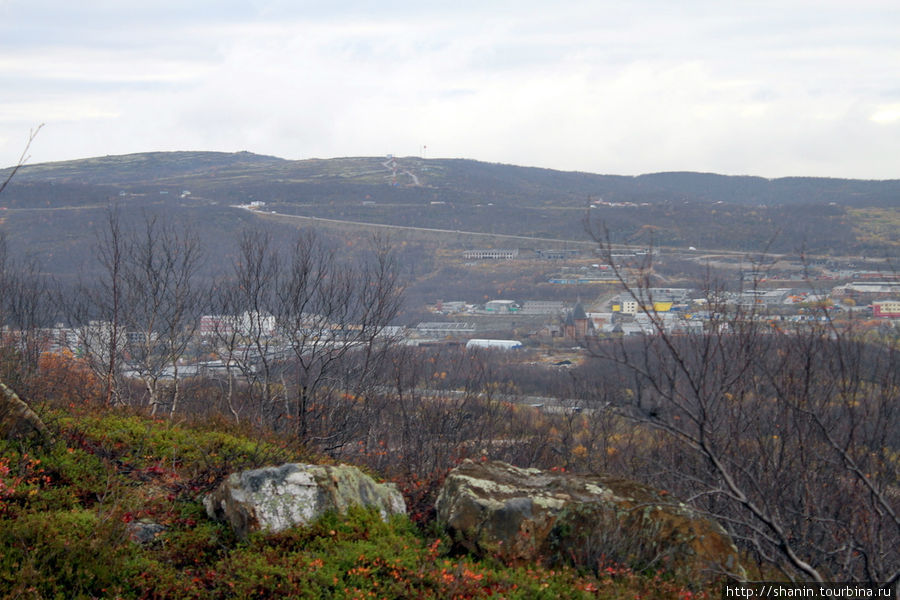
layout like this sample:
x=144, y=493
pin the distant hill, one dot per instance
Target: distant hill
x=465, y=177
x=129, y=169
x=52, y=208
x=782, y=191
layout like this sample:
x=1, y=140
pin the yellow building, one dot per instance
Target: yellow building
x=631, y=307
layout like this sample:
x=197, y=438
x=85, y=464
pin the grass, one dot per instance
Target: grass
x=70, y=508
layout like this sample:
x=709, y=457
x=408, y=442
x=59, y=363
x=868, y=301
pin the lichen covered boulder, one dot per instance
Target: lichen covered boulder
x=277, y=498
x=493, y=508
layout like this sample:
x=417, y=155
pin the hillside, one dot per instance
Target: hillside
x=111, y=508
x=53, y=208
x=460, y=176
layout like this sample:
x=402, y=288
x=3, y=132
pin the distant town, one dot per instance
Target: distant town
x=779, y=297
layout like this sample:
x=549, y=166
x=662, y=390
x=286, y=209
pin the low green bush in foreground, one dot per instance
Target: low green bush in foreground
x=69, y=511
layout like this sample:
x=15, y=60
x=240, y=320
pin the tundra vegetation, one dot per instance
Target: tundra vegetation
x=788, y=437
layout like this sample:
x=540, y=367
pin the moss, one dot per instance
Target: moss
x=64, y=554
x=66, y=533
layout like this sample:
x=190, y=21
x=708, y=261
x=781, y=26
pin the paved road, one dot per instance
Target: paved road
x=419, y=229
x=543, y=403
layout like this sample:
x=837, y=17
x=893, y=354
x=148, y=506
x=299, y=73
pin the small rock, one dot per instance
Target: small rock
x=144, y=532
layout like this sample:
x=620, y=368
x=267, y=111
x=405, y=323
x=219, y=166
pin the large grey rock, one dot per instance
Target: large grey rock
x=277, y=498
x=494, y=508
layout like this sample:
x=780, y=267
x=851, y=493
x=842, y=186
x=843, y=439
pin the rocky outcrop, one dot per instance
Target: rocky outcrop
x=17, y=420
x=494, y=508
x=276, y=498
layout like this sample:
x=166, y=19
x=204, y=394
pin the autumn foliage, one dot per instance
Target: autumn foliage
x=65, y=379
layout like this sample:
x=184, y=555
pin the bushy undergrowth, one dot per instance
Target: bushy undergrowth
x=71, y=510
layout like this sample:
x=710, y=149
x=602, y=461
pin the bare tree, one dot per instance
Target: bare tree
x=327, y=309
x=223, y=337
x=141, y=309
x=95, y=308
x=28, y=313
x=25, y=315
x=5, y=276
x=243, y=330
x=162, y=301
x=25, y=296
x=787, y=435
x=183, y=257
x=23, y=158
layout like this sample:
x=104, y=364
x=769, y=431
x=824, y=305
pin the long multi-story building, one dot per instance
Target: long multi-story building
x=492, y=254
x=543, y=307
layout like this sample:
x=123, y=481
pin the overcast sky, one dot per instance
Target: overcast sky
x=625, y=87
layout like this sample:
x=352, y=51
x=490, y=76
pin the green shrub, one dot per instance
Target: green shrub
x=65, y=509
x=192, y=540
x=201, y=456
x=63, y=554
